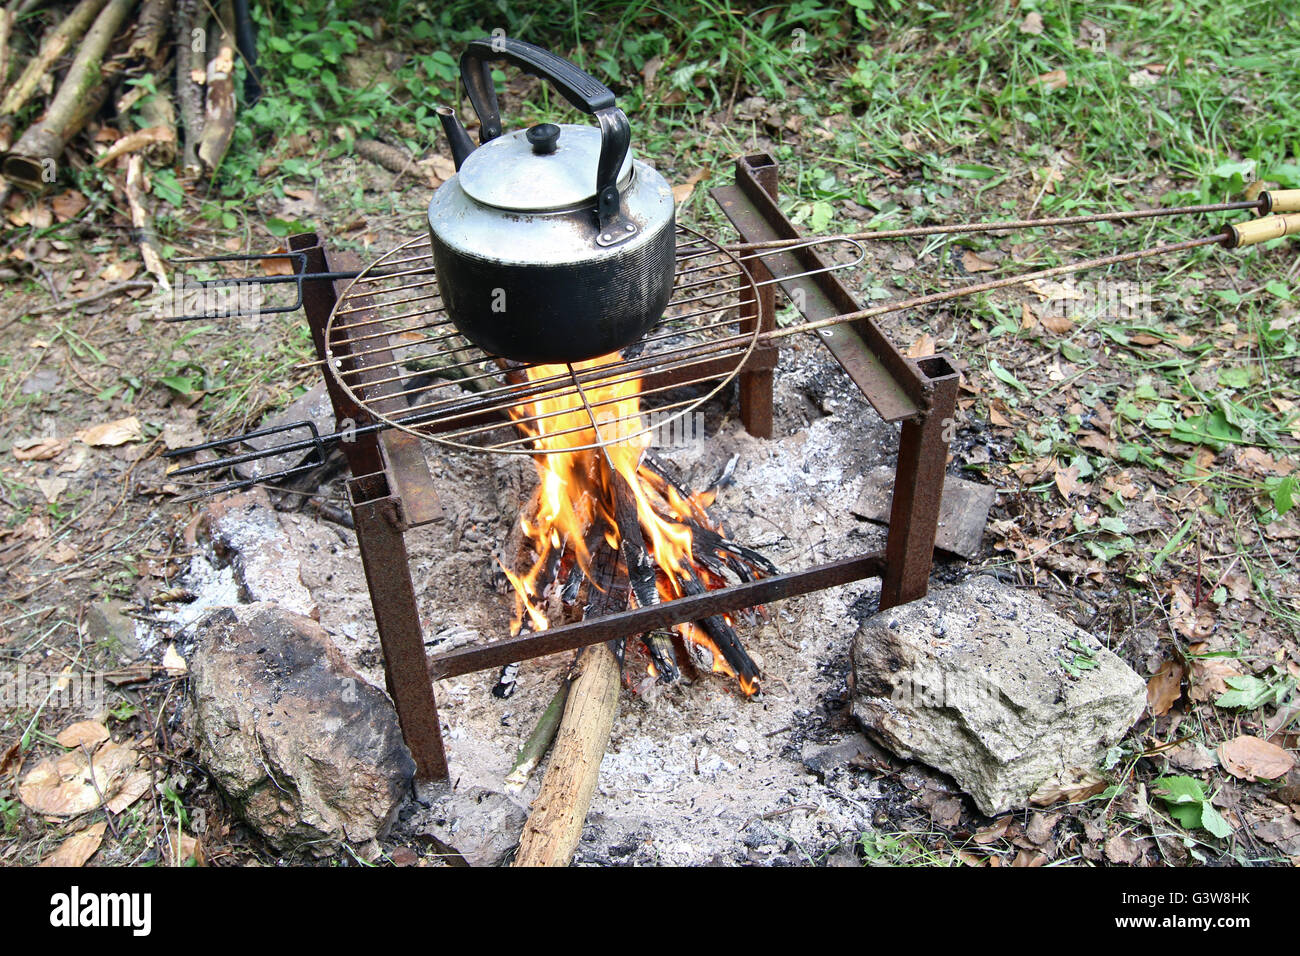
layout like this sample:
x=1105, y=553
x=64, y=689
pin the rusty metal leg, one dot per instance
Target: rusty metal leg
x=756, y=402
x=388, y=573
x=918, y=488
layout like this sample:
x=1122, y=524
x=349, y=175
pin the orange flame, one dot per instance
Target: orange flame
x=578, y=492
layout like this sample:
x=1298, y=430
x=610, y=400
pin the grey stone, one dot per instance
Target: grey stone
x=972, y=681
x=308, y=753
x=107, y=623
x=245, y=531
x=314, y=406
x=481, y=826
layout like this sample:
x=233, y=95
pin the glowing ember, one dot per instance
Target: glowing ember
x=594, y=494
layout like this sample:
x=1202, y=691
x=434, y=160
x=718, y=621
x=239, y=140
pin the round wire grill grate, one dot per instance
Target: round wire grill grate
x=393, y=350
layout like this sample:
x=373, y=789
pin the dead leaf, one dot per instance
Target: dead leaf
x=185, y=849
x=112, y=434
x=278, y=266
x=67, y=205
x=1039, y=829
x=650, y=71
x=1058, y=323
x=62, y=554
x=994, y=832
x=1067, y=480
x=1192, y=622
x=1209, y=678
x=132, y=789
x=38, y=449
x=1249, y=758
x=682, y=191
x=1028, y=319
x=51, y=488
x=1120, y=849
x=1055, y=80
x=1165, y=688
x=70, y=783
x=1032, y=24
x=1029, y=858
x=974, y=262
x=120, y=270
x=922, y=347
x=172, y=661
x=1072, y=786
x=91, y=733
x=78, y=848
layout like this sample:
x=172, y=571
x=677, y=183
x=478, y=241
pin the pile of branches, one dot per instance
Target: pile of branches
x=60, y=67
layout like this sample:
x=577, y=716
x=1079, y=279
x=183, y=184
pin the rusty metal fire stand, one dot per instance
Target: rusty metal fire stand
x=392, y=490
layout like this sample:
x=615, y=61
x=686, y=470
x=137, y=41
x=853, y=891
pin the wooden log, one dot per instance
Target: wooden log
x=159, y=112
x=58, y=41
x=554, y=827
x=150, y=29
x=219, y=94
x=553, y=830
x=189, y=84
x=143, y=223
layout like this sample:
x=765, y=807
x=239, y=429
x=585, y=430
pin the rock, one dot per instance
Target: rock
x=107, y=623
x=245, y=531
x=307, y=752
x=480, y=826
x=972, y=680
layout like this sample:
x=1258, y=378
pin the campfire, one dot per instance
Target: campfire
x=608, y=514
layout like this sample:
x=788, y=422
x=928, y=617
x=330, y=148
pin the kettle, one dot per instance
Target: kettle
x=551, y=244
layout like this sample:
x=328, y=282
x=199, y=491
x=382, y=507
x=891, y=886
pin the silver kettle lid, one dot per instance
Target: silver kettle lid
x=543, y=168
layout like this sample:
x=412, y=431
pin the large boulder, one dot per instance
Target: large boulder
x=988, y=684
x=307, y=752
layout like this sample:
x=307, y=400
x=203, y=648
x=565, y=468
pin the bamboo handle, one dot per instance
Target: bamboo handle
x=1261, y=230
x=1280, y=200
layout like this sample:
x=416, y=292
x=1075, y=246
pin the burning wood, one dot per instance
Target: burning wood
x=599, y=487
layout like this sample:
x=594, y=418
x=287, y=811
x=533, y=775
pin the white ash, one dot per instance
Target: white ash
x=695, y=773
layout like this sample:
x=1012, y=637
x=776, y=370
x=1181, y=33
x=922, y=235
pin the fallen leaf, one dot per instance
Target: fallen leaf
x=1029, y=858
x=120, y=270
x=71, y=783
x=1210, y=678
x=51, y=488
x=1039, y=829
x=132, y=789
x=994, y=832
x=1120, y=849
x=922, y=347
x=1072, y=786
x=111, y=434
x=1067, y=480
x=1032, y=24
x=682, y=191
x=78, y=848
x=62, y=554
x=1028, y=318
x=1058, y=323
x=1054, y=80
x=1165, y=688
x=68, y=204
x=650, y=71
x=38, y=449
x=91, y=733
x=185, y=849
x=974, y=262
x=1193, y=623
x=1249, y=758
x=172, y=661
x=278, y=266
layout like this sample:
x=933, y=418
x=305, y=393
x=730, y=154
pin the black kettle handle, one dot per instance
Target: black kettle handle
x=580, y=88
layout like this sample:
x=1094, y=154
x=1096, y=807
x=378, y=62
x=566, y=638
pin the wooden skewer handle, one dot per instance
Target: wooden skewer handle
x=1261, y=230
x=1280, y=200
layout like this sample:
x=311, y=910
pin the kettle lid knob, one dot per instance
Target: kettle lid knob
x=543, y=137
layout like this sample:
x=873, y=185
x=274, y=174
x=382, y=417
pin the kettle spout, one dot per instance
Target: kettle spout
x=461, y=144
